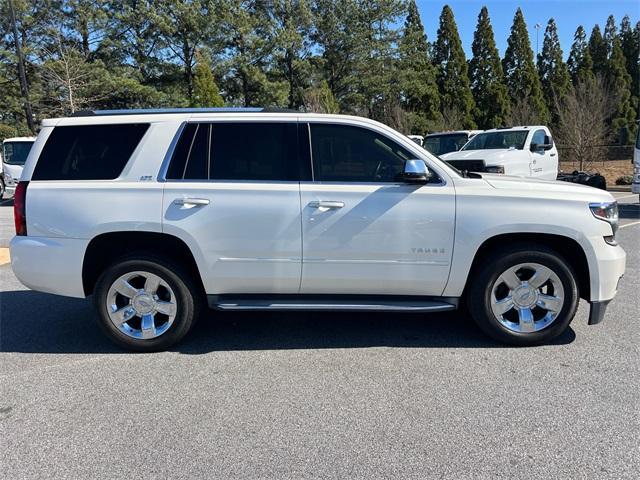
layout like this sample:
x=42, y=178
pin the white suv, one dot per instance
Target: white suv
x=158, y=213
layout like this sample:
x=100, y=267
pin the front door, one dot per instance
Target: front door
x=232, y=193
x=544, y=163
x=364, y=230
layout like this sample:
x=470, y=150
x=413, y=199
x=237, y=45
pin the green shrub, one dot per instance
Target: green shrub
x=624, y=180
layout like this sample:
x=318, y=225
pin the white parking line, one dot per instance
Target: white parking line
x=625, y=196
x=629, y=224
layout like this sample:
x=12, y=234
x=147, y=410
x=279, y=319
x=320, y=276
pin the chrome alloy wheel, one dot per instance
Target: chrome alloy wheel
x=141, y=305
x=527, y=297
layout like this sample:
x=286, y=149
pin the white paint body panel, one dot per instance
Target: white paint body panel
x=253, y=236
x=246, y=240
x=387, y=239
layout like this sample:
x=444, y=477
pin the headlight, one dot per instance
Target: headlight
x=494, y=169
x=608, y=212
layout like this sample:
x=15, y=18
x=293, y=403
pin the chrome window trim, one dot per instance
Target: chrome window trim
x=164, y=166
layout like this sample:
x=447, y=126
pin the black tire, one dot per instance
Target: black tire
x=2, y=187
x=187, y=295
x=484, y=277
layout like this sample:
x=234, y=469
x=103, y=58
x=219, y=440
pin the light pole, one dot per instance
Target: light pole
x=537, y=26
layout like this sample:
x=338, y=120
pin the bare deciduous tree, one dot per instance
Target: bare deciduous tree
x=452, y=118
x=582, y=119
x=523, y=113
x=71, y=79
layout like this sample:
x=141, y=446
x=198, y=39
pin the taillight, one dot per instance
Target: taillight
x=19, y=208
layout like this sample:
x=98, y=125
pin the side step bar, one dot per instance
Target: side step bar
x=381, y=305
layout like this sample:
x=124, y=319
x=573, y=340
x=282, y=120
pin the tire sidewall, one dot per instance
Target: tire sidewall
x=186, y=307
x=490, y=324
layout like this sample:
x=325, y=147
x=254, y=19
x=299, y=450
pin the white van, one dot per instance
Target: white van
x=519, y=151
x=14, y=153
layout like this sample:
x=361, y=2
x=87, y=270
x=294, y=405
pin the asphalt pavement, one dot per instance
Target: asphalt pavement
x=319, y=395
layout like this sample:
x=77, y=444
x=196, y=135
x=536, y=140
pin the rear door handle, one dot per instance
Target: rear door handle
x=331, y=204
x=191, y=202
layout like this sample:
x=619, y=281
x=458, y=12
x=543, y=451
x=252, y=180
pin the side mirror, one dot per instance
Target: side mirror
x=416, y=171
x=547, y=145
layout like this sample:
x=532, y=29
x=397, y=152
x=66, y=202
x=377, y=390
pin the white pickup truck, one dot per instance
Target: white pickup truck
x=519, y=151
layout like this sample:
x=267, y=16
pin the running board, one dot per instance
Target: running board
x=380, y=305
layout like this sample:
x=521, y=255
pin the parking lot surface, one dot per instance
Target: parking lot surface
x=318, y=395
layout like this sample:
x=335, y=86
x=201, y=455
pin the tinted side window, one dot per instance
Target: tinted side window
x=254, y=151
x=190, y=158
x=538, y=137
x=92, y=152
x=342, y=153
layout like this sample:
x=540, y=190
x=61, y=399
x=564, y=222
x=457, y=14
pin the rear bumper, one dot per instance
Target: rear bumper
x=52, y=265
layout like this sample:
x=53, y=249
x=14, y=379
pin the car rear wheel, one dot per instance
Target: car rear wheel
x=526, y=295
x=145, y=304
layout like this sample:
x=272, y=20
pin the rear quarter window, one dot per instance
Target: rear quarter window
x=88, y=152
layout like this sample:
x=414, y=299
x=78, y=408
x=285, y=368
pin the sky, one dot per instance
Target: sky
x=568, y=14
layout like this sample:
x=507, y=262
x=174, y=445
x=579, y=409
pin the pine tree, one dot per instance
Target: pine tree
x=452, y=77
x=293, y=24
x=620, y=82
x=630, y=42
x=552, y=70
x=205, y=89
x=580, y=63
x=184, y=27
x=338, y=41
x=377, y=89
x=610, y=34
x=598, y=51
x=418, y=86
x=523, y=83
x=250, y=33
x=487, y=78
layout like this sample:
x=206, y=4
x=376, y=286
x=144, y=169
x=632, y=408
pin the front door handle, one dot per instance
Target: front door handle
x=191, y=202
x=331, y=204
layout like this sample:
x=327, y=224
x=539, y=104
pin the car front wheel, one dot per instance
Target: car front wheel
x=526, y=295
x=145, y=304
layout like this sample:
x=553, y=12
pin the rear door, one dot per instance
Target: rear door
x=364, y=230
x=232, y=192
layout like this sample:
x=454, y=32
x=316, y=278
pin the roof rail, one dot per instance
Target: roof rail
x=156, y=111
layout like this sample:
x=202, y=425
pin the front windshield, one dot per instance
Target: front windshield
x=445, y=143
x=15, y=153
x=498, y=140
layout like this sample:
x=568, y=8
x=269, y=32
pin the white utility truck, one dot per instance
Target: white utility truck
x=519, y=151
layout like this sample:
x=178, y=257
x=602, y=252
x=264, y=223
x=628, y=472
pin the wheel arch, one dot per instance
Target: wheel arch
x=107, y=247
x=568, y=248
